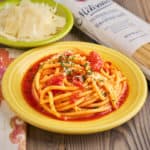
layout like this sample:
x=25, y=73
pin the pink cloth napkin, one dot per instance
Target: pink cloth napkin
x=12, y=128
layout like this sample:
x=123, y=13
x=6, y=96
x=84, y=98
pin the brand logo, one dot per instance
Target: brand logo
x=91, y=8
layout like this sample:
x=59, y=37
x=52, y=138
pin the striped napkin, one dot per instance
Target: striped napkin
x=12, y=128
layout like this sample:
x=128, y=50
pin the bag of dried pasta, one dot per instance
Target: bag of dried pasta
x=112, y=25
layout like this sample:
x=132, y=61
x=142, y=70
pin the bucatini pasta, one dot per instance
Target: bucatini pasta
x=73, y=85
x=142, y=55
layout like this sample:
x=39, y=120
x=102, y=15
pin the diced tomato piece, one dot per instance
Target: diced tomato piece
x=74, y=97
x=55, y=92
x=68, y=53
x=56, y=80
x=95, y=61
x=77, y=82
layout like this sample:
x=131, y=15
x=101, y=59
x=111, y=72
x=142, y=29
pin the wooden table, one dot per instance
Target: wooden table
x=133, y=135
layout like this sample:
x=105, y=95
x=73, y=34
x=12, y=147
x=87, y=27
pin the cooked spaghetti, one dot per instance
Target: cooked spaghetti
x=73, y=85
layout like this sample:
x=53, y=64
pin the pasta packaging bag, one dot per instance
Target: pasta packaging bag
x=112, y=25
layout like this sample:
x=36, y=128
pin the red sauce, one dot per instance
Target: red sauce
x=27, y=93
x=95, y=61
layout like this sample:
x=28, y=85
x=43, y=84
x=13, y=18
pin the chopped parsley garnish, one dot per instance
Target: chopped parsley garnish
x=89, y=72
x=85, y=65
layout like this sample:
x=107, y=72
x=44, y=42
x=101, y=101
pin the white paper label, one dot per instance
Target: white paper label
x=110, y=24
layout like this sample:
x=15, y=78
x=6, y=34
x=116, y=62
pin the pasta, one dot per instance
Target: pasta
x=142, y=55
x=73, y=85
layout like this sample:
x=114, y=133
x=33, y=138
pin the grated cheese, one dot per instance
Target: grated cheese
x=29, y=21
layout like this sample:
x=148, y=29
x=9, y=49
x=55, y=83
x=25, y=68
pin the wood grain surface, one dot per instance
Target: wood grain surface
x=133, y=135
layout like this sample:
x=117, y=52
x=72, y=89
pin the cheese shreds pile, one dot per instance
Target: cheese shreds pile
x=29, y=21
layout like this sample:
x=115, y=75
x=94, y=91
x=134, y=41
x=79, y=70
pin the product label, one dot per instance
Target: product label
x=110, y=24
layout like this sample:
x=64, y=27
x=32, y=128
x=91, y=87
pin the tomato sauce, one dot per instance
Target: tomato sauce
x=27, y=93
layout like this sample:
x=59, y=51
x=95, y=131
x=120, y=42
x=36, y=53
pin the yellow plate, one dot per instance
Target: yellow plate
x=11, y=88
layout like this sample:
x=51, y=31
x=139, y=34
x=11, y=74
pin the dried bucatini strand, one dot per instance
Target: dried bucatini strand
x=142, y=55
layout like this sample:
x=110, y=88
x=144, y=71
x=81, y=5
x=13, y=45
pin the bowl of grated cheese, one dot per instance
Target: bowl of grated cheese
x=33, y=23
